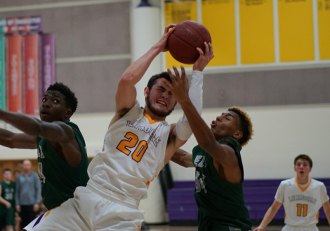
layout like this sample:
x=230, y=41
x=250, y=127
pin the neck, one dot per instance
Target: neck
x=302, y=180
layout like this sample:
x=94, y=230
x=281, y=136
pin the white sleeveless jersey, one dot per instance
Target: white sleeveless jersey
x=132, y=156
x=301, y=204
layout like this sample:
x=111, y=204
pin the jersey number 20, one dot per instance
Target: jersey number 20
x=132, y=141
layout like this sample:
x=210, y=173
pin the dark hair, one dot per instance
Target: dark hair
x=245, y=125
x=303, y=157
x=70, y=99
x=6, y=170
x=152, y=80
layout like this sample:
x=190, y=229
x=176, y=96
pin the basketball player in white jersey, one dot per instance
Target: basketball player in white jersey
x=302, y=198
x=137, y=145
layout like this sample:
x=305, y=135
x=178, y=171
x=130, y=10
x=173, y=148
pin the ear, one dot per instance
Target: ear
x=68, y=114
x=238, y=134
x=146, y=91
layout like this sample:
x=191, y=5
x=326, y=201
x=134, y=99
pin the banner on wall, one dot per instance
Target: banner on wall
x=31, y=65
x=2, y=69
x=14, y=72
x=27, y=63
x=47, y=61
x=258, y=32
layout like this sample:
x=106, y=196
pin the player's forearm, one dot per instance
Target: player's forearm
x=269, y=216
x=326, y=209
x=195, y=94
x=182, y=158
x=138, y=68
x=25, y=123
x=202, y=133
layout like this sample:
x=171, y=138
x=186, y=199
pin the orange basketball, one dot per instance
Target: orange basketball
x=184, y=40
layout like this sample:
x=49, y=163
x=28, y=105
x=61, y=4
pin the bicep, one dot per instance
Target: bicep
x=56, y=131
x=125, y=96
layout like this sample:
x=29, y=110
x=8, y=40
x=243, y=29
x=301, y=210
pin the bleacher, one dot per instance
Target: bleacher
x=259, y=195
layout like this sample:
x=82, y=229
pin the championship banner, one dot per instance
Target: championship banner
x=2, y=69
x=176, y=12
x=31, y=74
x=48, y=76
x=14, y=72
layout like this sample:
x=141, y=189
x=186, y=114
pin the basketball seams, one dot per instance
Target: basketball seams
x=185, y=38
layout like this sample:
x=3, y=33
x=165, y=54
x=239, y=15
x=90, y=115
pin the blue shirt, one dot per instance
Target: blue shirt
x=28, y=189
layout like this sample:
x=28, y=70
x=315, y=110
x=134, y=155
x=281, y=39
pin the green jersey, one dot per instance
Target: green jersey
x=220, y=203
x=59, y=179
x=7, y=215
x=8, y=192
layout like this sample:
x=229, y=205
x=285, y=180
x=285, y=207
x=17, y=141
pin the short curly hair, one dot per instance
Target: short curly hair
x=71, y=100
x=245, y=124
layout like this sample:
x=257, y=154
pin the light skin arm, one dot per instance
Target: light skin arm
x=58, y=133
x=269, y=215
x=183, y=158
x=326, y=209
x=126, y=91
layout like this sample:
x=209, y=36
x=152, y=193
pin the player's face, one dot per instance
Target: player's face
x=302, y=167
x=53, y=107
x=160, y=99
x=227, y=124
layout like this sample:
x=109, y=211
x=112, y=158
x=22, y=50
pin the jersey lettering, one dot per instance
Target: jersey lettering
x=132, y=140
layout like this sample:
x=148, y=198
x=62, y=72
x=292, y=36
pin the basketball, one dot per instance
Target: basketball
x=184, y=40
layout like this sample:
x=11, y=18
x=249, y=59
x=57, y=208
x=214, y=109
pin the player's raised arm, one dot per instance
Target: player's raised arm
x=126, y=91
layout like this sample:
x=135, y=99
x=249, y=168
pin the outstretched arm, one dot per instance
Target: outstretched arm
x=57, y=132
x=17, y=140
x=269, y=215
x=54, y=131
x=126, y=91
x=194, y=91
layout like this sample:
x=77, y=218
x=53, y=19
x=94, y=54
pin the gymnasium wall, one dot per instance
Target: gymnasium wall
x=93, y=49
x=289, y=106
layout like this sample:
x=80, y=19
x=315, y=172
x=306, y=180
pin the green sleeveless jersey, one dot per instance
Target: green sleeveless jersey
x=59, y=179
x=220, y=203
x=8, y=192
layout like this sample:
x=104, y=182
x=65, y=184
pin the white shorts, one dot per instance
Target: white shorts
x=89, y=211
x=300, y=228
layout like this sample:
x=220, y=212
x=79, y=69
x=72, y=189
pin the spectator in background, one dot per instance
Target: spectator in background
x=28, y=193
x=7, y=201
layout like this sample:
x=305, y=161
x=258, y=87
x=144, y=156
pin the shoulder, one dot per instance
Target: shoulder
x=232, y=142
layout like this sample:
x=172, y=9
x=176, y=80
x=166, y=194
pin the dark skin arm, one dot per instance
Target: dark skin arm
x=59, y=134
x=225, y=160
x=183, y=158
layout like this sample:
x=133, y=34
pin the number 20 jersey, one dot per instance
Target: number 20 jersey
x=133, y=155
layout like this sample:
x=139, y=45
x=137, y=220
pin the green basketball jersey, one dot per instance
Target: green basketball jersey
x=7, y=215
x=220, y=203
x=58, y=179
x=8, y=192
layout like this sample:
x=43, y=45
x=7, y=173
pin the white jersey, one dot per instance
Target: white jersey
x=301, y=203
x=133, y=155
